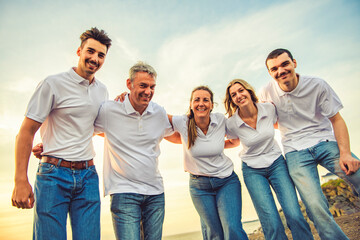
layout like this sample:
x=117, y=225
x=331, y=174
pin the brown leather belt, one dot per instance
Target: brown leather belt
x=74, y=165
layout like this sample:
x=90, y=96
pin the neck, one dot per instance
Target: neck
x=139, y=108
x=203, y=123
x=248, y=111
x=291, y=86
x=89, y=77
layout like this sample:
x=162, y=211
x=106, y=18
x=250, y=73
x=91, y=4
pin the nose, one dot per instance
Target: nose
x=201, y=103
x=148, y=90
x=281, y=70
x=94, y=58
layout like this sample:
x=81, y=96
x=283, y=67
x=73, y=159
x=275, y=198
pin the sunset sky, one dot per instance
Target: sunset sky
x=189, y=43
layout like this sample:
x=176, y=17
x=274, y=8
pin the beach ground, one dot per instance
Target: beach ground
x=350, y=224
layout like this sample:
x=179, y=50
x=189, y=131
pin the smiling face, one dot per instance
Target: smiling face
x=142, y=90
x=92, y=56
x=282, y=69
x=201, y=103
x=239, y=95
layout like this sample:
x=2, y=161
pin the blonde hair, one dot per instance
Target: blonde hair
x=230, y=106
x=192, y=133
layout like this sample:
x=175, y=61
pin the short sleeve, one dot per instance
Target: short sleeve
x=178, y=122
x=329, y=103
x=100, y=121
x=261, y=95
x=41, y=102
x=273, y=113
x=229, y=133
x=168, y=130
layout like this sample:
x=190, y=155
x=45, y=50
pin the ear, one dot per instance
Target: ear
x=128, y=84
x=78, y=51
x=295, y=63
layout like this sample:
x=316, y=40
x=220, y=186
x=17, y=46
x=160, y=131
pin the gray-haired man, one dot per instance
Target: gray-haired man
x=133, y=130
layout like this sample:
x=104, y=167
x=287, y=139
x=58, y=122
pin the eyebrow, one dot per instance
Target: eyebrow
x=93, y=49
x=275, y=67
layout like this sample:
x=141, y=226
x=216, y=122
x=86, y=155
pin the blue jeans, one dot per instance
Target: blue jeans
x=303, y=170
x=258, y=182
x=218, y=202
x=136, y=214
x=59, y=191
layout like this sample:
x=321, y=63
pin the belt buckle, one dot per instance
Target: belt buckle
x=72, y=165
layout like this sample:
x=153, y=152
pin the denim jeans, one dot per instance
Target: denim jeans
x=218, y=202
x=303, y=170
x=130, y=210
x=258, y=182
x=59, y=191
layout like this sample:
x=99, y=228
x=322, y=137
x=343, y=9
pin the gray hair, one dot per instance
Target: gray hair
x=141, y=67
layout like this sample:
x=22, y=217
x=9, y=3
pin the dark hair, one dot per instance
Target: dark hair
x=192, y=133
x=96, y=34
x=277, y=52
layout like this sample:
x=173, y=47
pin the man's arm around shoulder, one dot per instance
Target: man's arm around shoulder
x=347, y=163
x=23, y=196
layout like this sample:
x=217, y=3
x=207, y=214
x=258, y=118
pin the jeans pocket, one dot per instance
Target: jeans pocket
x=45, y=168
x=92, y=169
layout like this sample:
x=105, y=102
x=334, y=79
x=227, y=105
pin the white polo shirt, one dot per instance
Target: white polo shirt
x=260, y=149
x=303, y=114
x=132, y=148
x=67, y=105
x=206, y=157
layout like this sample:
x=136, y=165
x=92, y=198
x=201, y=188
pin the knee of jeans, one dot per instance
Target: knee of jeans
x=273, y=226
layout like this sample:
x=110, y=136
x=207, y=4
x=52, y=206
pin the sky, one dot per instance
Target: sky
x=189, y=43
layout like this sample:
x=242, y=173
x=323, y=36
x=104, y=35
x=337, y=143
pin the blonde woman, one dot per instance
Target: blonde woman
x=263, y=164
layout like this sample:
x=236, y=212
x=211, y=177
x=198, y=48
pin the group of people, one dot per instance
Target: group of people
x=70, y=107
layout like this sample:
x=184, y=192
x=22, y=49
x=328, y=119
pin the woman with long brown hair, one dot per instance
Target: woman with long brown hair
x=214, y=186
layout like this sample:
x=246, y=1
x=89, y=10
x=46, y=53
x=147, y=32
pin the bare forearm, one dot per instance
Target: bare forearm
x=342, y=135
x=231, y=143
x=347, y=162
x=23, y=146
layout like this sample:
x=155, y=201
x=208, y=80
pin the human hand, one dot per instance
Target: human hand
x=23, y=196
x=121, y=97
x=349, y=164
x=37, y=150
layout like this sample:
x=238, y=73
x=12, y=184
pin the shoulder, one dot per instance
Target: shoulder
x=312, y=80
x=267, y=90
x=314, y=84
x=180, y=119
x=269, y=86
x=231, y=120
x=156, y=107
x=100, y=84
x=218, y=116
x=266, y=105
x=56, y=79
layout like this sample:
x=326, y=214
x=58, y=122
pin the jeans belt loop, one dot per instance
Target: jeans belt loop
x=87, y=164
x=59, y=162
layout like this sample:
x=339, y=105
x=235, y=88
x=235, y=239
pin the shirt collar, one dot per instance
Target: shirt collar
x=80, y=80
x=294, y=92
x=261, y=114
x=130, y=109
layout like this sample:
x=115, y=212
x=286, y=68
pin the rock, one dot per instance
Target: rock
x=343, y=205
